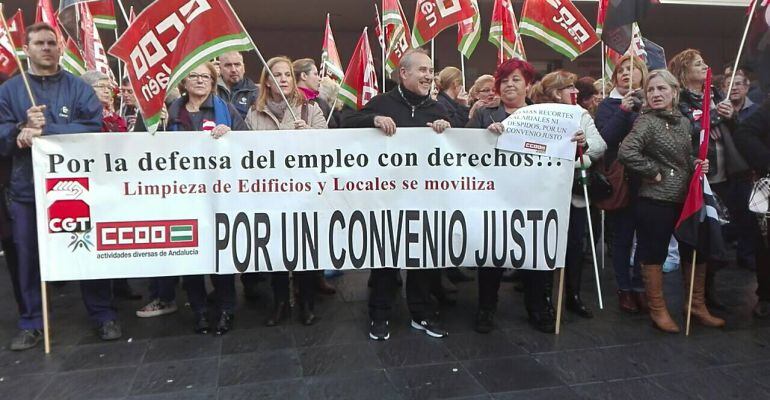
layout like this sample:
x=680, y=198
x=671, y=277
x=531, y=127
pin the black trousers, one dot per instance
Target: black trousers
x=489, y=284
x=537, y=284
x=224, y=285
x=306, y=281
x=418, y=289
x=578, y=222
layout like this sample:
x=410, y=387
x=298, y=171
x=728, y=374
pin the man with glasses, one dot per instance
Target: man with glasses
x=738, y=96
x=65, y=105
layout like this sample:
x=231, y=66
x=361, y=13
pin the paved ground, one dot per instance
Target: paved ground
x=614, y=356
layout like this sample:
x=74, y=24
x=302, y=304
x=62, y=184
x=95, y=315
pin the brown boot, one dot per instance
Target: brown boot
x=641, y=301
x=699, y=310
x=653, y=284
x=626, y=302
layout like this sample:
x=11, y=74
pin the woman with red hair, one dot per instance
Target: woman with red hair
x=513, y=80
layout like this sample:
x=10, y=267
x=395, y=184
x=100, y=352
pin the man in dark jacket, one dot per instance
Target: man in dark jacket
x=65, y=105
x=408, y=105
x=233, y=86
x=753, y=141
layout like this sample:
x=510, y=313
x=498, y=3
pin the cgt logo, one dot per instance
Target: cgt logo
x=68, y=209
x=139, y=235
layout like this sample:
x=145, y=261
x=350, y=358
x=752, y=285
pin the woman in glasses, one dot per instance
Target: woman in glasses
x=200, y=109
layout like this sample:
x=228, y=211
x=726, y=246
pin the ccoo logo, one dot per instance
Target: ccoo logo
x=68, y=208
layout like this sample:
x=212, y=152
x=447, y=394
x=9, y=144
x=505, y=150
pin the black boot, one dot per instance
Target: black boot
x=225, y=323
x=279, y=313
x=307, y=315
x=543, y=321
x=485, y=321
x=201, y=325
x=712, y=300
x=576, y=305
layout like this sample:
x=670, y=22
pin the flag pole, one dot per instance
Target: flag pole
x=462, y=68
x=123, y=11
x=604, y=75
x=262, y=59
x=381, y=17
x=16, y=58
x=331, y=111
x=559, y=300
x=689, y=297
x=740, y=48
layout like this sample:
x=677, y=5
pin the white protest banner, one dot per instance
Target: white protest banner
x=542, y=129
x=183, y=203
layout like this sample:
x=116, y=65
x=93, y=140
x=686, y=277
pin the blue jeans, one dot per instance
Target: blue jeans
x=623, y=224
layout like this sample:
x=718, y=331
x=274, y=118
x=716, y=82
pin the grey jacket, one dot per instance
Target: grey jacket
x=660, y=143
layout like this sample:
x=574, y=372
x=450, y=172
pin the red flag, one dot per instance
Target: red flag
x=360, y=83
x=45, y=13
x=169, y=39
x=560, y=25
x=94, y=54
x=397, y=35
x=698, y=223
x=378, y=31
x=601, y=16
x=8, y=63
x=433, y=16
x=103, y=12
x=503, y=32
x=330, y=58
x=16, y=29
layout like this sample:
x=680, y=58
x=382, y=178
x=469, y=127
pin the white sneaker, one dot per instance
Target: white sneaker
x=156, y=308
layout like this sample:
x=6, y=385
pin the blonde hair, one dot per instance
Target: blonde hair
x=329, y=90
x=669, y=79
x=542, y=92
x=607, y=85
x=681, y=63
x=448, y=77
x=296, y=98
x=638, y=65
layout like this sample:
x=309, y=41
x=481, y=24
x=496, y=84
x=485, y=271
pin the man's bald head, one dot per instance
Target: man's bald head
x=232, y=67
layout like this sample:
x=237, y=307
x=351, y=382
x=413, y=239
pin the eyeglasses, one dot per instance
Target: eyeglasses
x=203, y=77
x=487, y=90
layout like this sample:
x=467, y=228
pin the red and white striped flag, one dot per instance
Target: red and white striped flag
x=360, y=82
x=330, y=58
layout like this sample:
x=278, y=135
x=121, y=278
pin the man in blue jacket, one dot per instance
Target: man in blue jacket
x=65, y=105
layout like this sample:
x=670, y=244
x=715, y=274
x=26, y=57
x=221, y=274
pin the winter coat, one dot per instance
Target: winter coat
x=458, y=114
x=213, y=109
x=242, y=95
x=753, y=139
x=264, y=120
x=660, y=143
x=71, y=107
x=394, y=105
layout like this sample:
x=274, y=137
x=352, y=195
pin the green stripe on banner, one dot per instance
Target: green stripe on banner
x=417, y=39
x=181, y=238
x=348, y=95
x=105, y=22
x=181, y=228
x=209, y=51
x=555, y=41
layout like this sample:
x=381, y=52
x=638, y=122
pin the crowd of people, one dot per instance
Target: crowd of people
x=640, y=129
